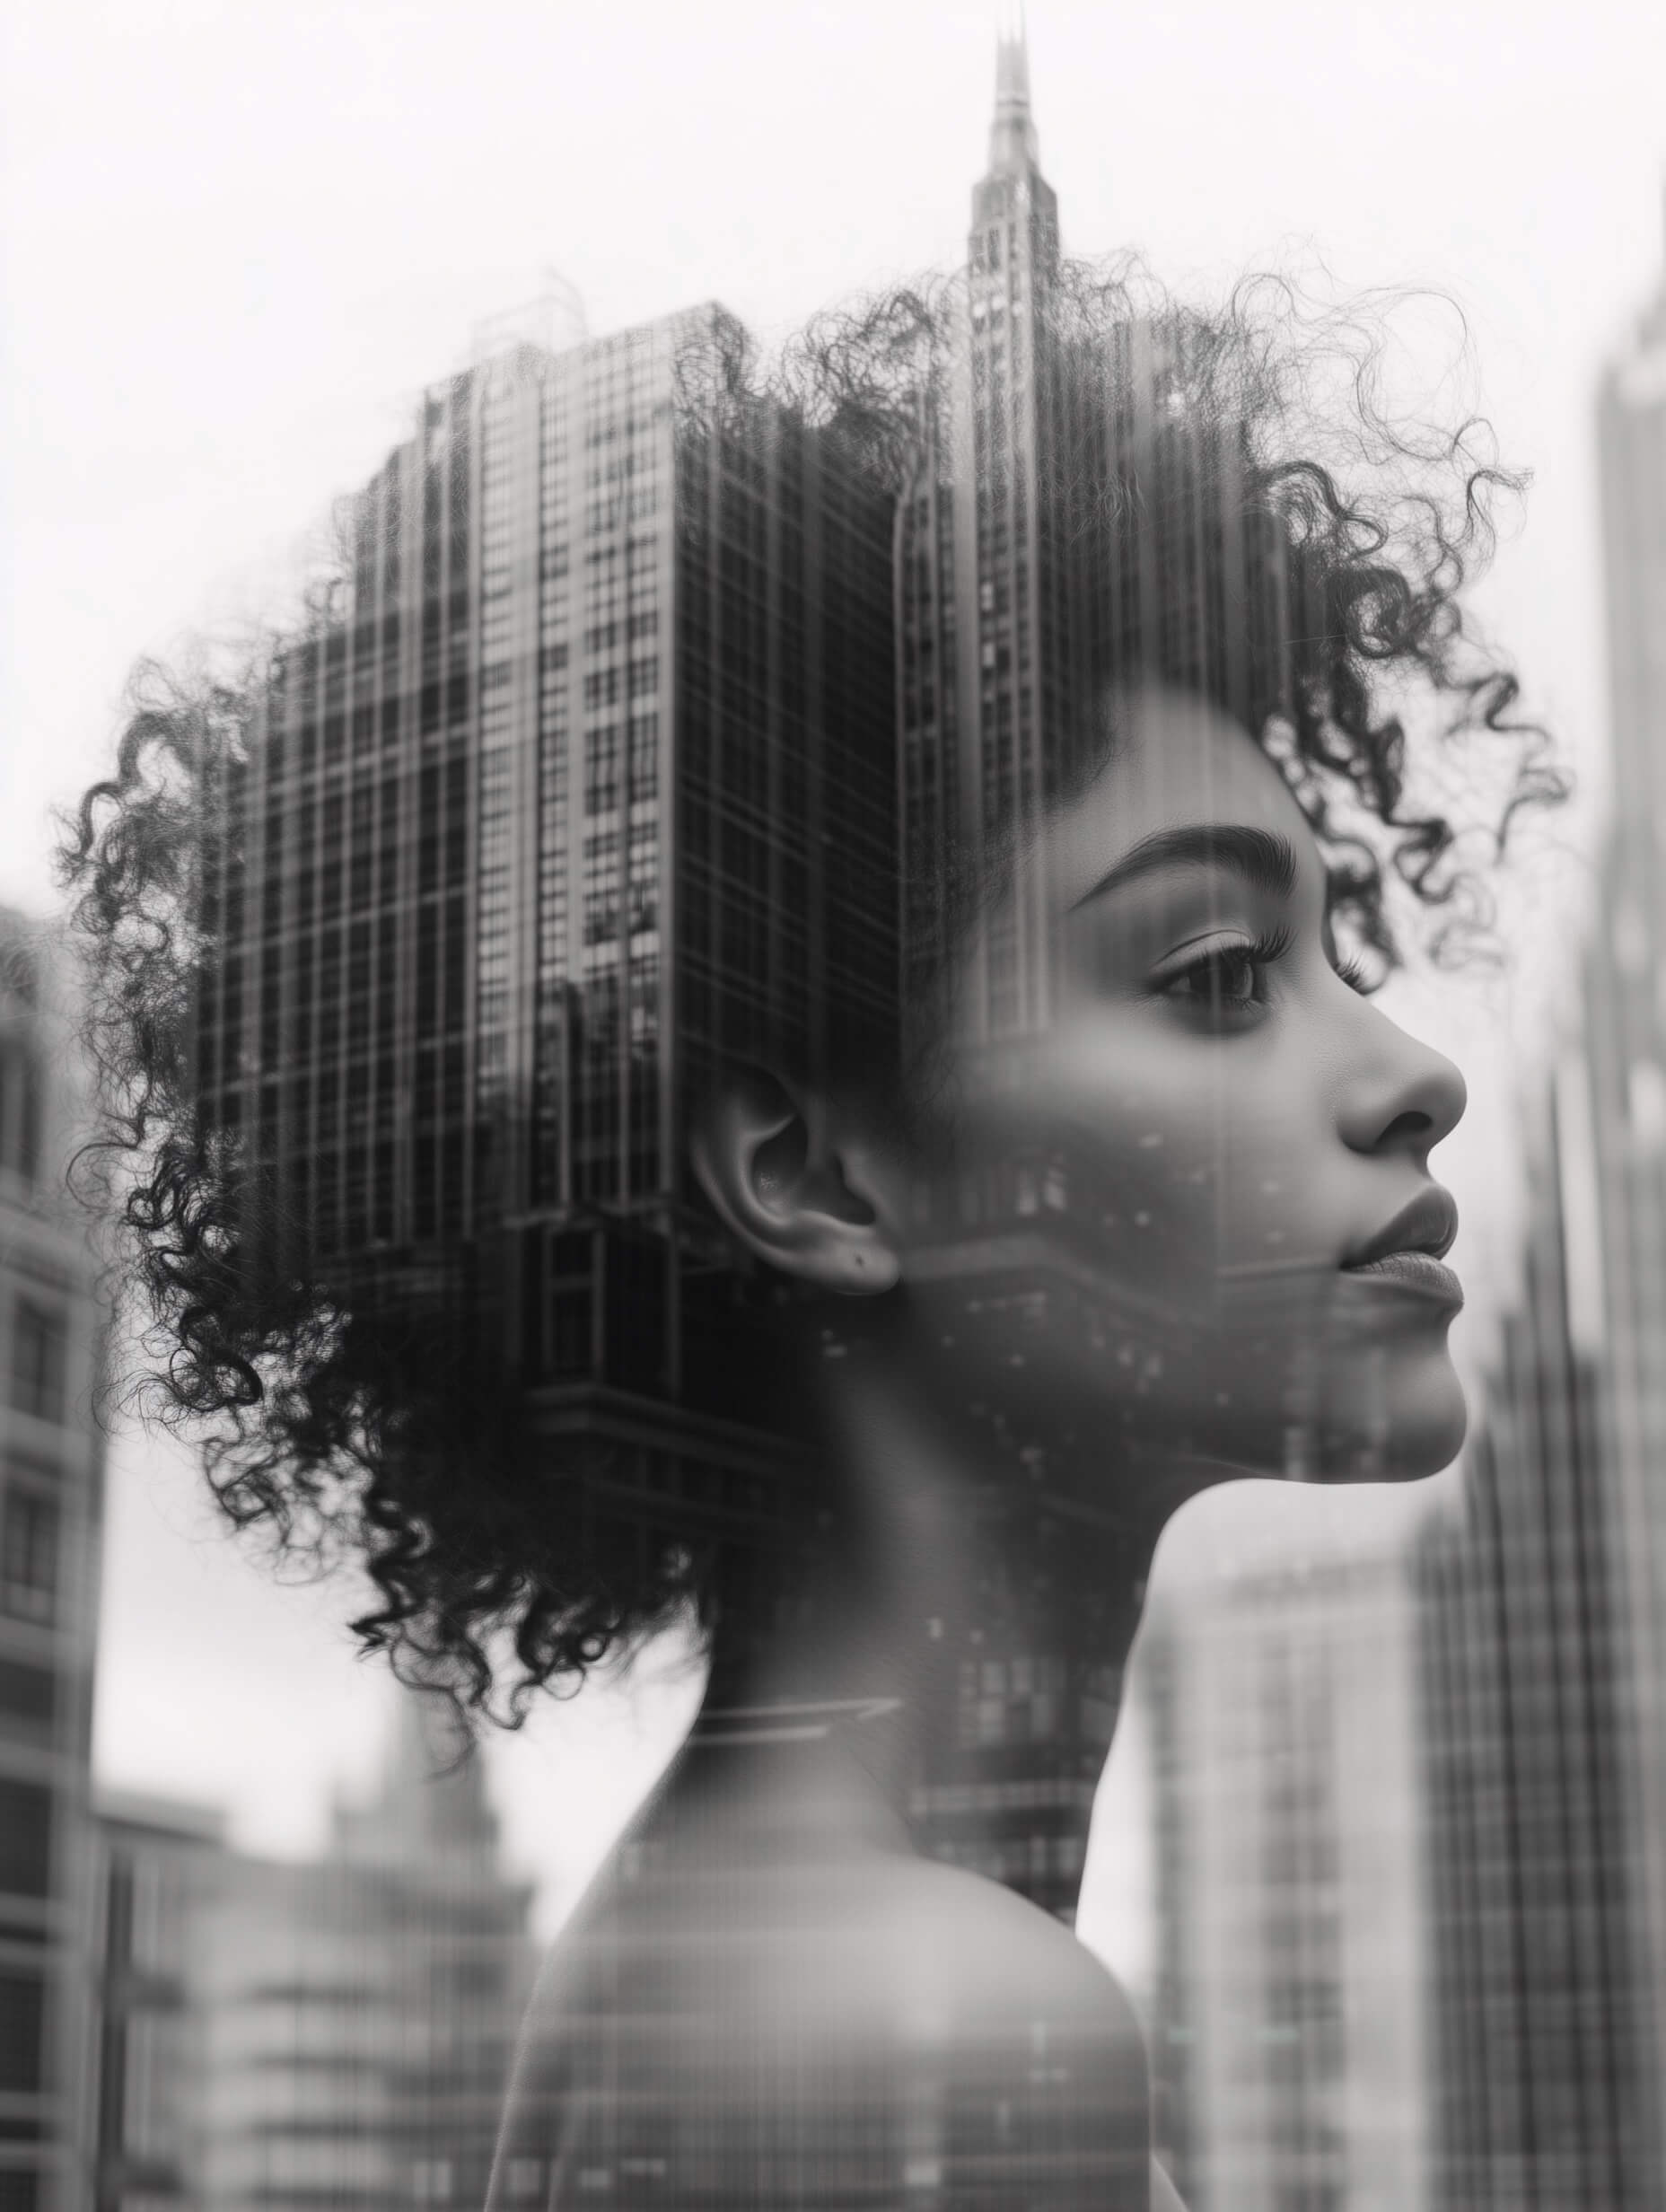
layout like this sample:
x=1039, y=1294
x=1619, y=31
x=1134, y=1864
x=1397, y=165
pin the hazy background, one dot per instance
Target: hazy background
x=237, y=240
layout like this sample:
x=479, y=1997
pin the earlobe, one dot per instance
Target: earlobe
x=773, y=1165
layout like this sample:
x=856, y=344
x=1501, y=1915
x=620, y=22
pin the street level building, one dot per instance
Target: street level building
x=290, y=2034
x=51, y=1473
x=1288, y=2028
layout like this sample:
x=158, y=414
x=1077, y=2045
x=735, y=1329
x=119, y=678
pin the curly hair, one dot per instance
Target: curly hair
x=360, y=1404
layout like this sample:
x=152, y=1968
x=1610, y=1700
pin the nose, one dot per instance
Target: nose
x=1400, y=1096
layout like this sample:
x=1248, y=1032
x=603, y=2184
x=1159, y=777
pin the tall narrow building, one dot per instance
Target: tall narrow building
x=1626, y=1017
x=1069, y=525
x=1541, y=2066
x=51, y=1476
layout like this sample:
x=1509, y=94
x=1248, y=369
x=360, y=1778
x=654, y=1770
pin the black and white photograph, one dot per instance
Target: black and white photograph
x=832, y=1107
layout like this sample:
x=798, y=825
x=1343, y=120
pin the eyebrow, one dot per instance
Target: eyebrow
x=1265, y=860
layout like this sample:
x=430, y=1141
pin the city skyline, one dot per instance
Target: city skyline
x=625, y=666
x=287, y=1619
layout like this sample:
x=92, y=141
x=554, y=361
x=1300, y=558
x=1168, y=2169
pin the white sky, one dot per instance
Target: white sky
x=237, y=238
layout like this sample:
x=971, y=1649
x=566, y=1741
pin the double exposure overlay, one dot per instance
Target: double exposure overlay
x=761, y=1025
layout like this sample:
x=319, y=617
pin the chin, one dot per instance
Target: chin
x=1421, y=1419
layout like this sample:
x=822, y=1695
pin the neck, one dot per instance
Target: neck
x=953, y=1674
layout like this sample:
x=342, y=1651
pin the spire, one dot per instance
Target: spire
x=432, y=1804
x=1013, y=148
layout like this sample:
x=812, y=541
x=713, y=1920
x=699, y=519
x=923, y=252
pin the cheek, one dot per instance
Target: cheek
x=1200, y=1163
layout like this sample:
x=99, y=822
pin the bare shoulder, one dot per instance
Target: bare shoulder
x=878, y=1944
x=896, y=2021
x=926, y=1927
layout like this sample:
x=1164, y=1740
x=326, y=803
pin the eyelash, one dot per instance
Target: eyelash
x=1259, y=954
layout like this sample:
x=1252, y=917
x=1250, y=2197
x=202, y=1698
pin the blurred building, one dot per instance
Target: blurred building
x=296, y=2033
x=157, y=1865
x=1542, y=2086
x=51, y=1473
x=587, y=768
x=1289, y=2016
x=1068, y=522
x=1626, y=1034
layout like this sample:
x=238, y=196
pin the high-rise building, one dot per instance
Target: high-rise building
x=585, y=772
x=1541, y=2085
x=1625, y=1028
x=1287, y=2029
x=1068, y=524
x=51, y=1473
x=330, y=2031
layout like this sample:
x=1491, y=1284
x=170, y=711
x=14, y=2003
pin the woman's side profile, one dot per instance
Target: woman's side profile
x=1128, y=1193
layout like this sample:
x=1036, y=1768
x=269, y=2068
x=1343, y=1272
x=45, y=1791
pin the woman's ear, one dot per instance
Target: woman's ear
x=805, y=1186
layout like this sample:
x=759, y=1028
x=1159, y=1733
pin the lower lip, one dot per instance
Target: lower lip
x=1418, y=1272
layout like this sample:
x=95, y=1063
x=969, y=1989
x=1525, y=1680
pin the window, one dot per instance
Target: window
x=39, y=1347
x=28, y=1698
x=29, y=1526
x=20, y=1110
x=22, y=2018
x=25, y=1838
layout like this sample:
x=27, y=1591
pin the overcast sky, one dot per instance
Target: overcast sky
x=238, y=239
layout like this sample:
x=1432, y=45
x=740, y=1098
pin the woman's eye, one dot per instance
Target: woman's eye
x=1226, y=982
x=1230, y=980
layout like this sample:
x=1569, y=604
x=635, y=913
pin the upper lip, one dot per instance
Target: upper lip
x=1429, y=1225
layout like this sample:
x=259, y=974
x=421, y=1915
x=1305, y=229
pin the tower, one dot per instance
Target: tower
x=984, y=609
x=1069, y=524
x=1625, y=1032
x=1539, y=2020
x=51, y=1476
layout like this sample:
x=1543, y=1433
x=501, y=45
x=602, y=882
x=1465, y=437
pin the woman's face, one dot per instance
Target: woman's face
x=1223, y=1149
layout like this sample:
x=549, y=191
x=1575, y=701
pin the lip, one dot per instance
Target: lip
x=1429, y=1225
x=1418, y=1272
x=1407, y=1252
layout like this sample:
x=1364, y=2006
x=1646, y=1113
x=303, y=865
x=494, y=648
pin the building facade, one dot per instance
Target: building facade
x=51, y=1474
x=1540, y=2082
x=1625, y=1032
x=337, y=2030
x=583, y=778
x=1289, y=2016
x=1071, y=522
x=156, y=1864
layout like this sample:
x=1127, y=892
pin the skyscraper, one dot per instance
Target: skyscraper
x=51, y=1473
x=1539, y=2036
x=1069, y=524
x=597, y=717
x=1541, y=1619
x=1625, y=1020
